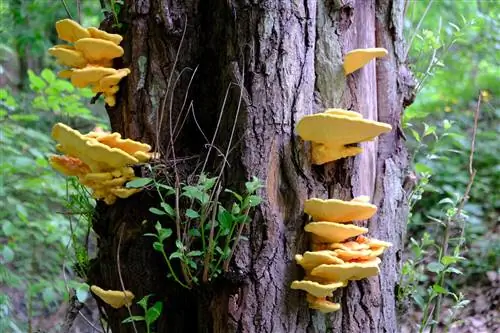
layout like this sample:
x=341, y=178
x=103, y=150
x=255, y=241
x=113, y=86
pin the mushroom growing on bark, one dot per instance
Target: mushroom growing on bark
x=115, y=298
x=356, y=59
x=101, y=161
x=335, y=259
x=334, y=131
x=90, y=58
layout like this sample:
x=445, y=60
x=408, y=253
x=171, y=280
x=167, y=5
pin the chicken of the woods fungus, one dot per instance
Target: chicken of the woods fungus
x=340, y=253
x=334, y=133
x=101, y=161
x=356, y=59
x=114, y=298
x=90, y=58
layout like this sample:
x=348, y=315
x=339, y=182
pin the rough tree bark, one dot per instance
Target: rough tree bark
x=287, y=57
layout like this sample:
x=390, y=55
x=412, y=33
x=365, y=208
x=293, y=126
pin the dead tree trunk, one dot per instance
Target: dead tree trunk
x=284, y=59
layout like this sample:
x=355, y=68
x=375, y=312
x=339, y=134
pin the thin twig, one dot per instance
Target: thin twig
x=455, y=217
x=418, y=27
x=67, y=9
x=79, y=11
x=120, y=273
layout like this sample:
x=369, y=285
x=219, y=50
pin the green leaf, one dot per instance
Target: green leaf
x=194, y=254
x=156, y=211
x=8, y=228
x=415, y=135
x=435, y=267
x=168, y=209
x=132, y=318
x=254, y=200
x=422, y=168
x=178, y=244
x=144, y=302
x=48, y=75
x=225, y=218
x=193, y=232
x=164, y=234
x=447, y=260
x=158, y=246
x=192, y=214
x=6, y=255
x=438, y=289
x=175, y=255
x=36, y=83
x=453, y=270
x=236, y=195
x=138, y=182
x=154, y=312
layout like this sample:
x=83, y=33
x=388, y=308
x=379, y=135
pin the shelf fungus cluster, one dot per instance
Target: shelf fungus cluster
x=356, y=59
x=335, y=132
x=340, y=253
x=101, y=161
x=89, y=57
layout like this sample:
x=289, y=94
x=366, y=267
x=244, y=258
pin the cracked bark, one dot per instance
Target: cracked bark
x=288, y=58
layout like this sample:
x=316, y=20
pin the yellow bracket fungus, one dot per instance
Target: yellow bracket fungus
x=70, y=31
x=348, y=270
x=313, y=259
x=101, y=161
x=333, y=210
x=96, y=33
x=356, y=59
x=335, y=260
x=97, y=50
x=115, y=298
x=321, y=304
x=90, y=75
x=317, y=289
x=334, y=232
x=68, y=57
x=90, y=58
x=333, y=130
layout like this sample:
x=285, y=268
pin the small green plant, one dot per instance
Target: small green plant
x=206, y=232
x=79, y=205
x=151, y=314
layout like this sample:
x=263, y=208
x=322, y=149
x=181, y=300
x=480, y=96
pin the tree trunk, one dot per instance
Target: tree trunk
x=284, y=59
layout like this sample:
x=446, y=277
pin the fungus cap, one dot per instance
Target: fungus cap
x=101, y=34
x=123, y=193
x=324, y=153
x=65, y=74
x=334, y=232
x=96, y=50
x=111, y=80
x=114, y=140
x=348, y=271
x=68, y=57
x=352, y=245
x=334, y=210
x=317, y=289
x=372, y=242
x=90, y=75
x=70, y=30
x=96, y=155
x=69, y=166
x=115, y=298
x=356, y=59
x=338, y=130
x=309, y=259
x=358, y=255
x=321, y=304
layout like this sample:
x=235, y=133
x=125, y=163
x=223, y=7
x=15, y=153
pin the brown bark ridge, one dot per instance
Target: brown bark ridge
x=284, y=59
